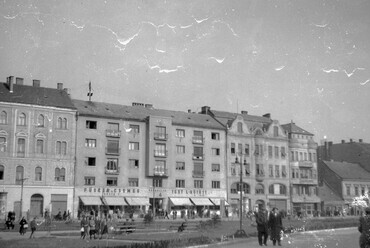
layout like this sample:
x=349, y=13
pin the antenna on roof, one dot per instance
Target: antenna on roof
x=89, y=94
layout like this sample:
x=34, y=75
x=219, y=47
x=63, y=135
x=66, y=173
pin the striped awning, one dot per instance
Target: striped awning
x=137, y=201
x=217, y=201
x=181, y=202
x=114, y=201
x=201, y=201
x=91, y=200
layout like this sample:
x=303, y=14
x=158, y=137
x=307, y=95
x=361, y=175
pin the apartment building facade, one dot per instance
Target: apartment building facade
x=37, y=138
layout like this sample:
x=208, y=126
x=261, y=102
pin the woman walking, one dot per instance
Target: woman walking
x=276, y=226
x=23, y=226
x=84, y=227
x=103, y=227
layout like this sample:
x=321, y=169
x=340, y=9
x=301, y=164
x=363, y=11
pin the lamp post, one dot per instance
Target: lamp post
x=241, y=233
x=21, y=205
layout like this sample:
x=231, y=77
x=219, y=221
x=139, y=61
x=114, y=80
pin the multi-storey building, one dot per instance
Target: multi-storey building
x=131, y=157
x=37, y=138
x=303, y=168
x=256, y=147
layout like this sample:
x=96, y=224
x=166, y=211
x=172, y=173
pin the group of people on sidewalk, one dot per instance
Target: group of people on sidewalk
x=269, y=223
x=94, y=226
x=24, y=225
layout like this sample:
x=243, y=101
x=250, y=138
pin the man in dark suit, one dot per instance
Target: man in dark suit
x=262, y=226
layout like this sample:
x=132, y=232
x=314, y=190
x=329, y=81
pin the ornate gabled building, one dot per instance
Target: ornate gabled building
x=303, y=168
x=256, y=148
x=37, y=148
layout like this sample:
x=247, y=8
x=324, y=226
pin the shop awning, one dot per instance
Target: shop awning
x=201, y=202
x=91, y=200
x=181, y=202
x=137, y=201
x=217, y=201
x=114, y=201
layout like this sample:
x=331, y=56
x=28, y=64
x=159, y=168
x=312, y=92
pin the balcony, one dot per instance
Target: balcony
x=260, y=177
x=160, y=172
x=113, y=133
x=160, y=153
x=307, y=181
x=198, y=140
x=111, y=172
x=306, y=164
x=110, y=151
x=160, y=136
x=198, y=174
x=198, y=156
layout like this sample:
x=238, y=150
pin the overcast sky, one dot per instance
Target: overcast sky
x=306, y=61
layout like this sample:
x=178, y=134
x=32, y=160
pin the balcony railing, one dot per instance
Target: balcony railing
x=160, y=136
x=21, y=154
x=111, y=172
x=113, y=133
x=110, y=151
x=198, y=156
x=198, y=140
x=160, y=171
x=308, y=164
x=198, y=174
x=260, y=176
x=160, y=153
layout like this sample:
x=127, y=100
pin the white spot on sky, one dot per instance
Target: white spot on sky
x=218, y=60
x=365, y=82
x=200, y=20
x=330, y=70
x=280, y=68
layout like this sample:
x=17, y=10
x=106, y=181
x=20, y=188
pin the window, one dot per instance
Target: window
x=216, y=167
x=348, y=190
x=198, y=137
x=61, y=148
x=283, y=171
x=276, y=152
x=90, y=124
x=113, y=126
x=89, y=180
x=19, y=176
x=133, y=182
x=91, y=143
x=40, y=121
x=240, y=127
x=198, y=170
x=112, y=181
x=215, y=151
x=246, y=149
x=232, y=148
x=21, y=147
x=277, y=171
x=356, y=191
x=180, y=165
x=259, y=170
x=39, y=146
x=292, y=156
x=60, y=174
x=157, y=182
x=113, y=147
x=133, y=146
x=21, y=119
x=180, y=133
x=91, y=161
x=180, y=183
x=270, y=151
x=180, y=149
x=1, y=172
x=160, y=150
x=247, y=169
x=260, y=190
x=215, y=136
x=3, y=144
x=3, y=117
x=38, y=173
x=160, y=167
x=216, y=184
x=276, y=131
x=134, y=163
x=271, y=170
x=62, y=123
x=112, y=164
x=277, y=189
x=362, y=190
x=282, y=149
x=198, y=152
x=160, y=132
x=198, y=184
x=135, y=128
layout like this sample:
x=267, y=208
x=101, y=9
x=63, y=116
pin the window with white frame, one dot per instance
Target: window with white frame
x=180, y=165
x=133, y=146
x=38, y=173
x=180, y=149
x=133, y=182
x=21, y=119
x=216, y=167
x=198, y=184
x=3, y=117
x=216, y=184
x=180, y=133
x=180, y=183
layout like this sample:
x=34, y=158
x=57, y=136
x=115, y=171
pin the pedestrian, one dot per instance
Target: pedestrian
x=23, y=226
x=103, y=227
x=262, y=226
x=166, y=215
x=276, y=226
x=97, y=226
x=84, y=227
x=364, y=229
x=33, y=225
x=92, y=227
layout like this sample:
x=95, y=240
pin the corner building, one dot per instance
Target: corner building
x=37, y=138
x=132, y=159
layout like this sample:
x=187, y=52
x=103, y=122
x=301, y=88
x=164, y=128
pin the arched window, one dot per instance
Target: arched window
x=21, y=147
x=276, y=131
x=235, y=188
x=3, y=117
x=39, y=146
x=21, y=119
x=240, y=127
x=62, y=123
x=38, y=173
x=59, y=123
x=57, y=174
x=60, y=174
x=41, y=121
x=260, y=190
x=1, y=172
x=258, y=132
x=19, y=174
x=3, y=144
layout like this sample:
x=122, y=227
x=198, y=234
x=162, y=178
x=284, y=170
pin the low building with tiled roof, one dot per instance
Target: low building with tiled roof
x=37, y=148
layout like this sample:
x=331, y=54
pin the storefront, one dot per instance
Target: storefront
x=202, y=207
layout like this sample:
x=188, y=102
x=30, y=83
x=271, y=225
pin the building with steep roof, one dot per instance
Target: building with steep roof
x=256, y=154
x=37, y=148
x=303, y=170
x=347, y=180
x=130, y=158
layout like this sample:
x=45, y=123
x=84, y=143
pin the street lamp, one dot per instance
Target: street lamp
x=21, y=205
x=241, y=233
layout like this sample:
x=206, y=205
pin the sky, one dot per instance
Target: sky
x=302, y=61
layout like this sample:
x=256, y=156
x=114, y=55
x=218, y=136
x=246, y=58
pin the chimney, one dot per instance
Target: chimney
x=60, y=86
x=268, y=115
x=205, y=110
x=343, y=141
x=68, y=91
x=360, y=140
x=36, y=83
x=10, y=81
x=19, y=81
x=244, y=112
x=149, y=106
